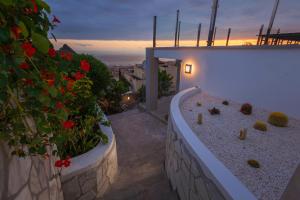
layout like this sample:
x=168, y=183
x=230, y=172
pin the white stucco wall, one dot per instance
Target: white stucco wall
x=267, y=77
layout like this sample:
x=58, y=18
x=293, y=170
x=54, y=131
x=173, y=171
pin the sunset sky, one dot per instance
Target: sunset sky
x=120, y=21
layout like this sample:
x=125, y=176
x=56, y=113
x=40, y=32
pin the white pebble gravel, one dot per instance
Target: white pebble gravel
x=277, y=150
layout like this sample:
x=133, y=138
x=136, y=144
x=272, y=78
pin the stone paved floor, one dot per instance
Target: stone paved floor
x=141, y=150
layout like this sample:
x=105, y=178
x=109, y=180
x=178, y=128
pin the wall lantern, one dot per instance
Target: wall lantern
x=188, y=69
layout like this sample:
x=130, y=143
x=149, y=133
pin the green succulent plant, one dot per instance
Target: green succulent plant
x=278, y=119
x=260, y=125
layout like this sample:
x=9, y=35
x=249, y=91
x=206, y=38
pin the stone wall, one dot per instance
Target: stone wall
x=91, y=174
x=30, y=178
x=185, y=173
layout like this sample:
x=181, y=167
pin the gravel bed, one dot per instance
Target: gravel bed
x=277, y=150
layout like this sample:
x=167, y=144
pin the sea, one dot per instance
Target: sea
x=120, y=60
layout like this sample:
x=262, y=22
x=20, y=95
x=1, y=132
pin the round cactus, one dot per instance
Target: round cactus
x=246, y=109
x=253, y=163
x=260, y=125
x=278, y=119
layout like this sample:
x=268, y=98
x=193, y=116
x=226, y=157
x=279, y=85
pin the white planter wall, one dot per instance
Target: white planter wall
x=91, y=173
x=268, y=77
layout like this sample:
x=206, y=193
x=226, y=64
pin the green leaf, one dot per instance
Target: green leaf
x=44, y=99
x=7, y=2
x=3, y=79
x=4, y=35
x=23, y=29
x=42, y=150
x=33, y=92
x=40, y=42
x=53, y=91
x=62, y=115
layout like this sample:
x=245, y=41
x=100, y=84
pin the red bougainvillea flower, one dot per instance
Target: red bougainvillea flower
x=28, y=49
x=85, y=65
x=59, y=105
x=70, y=84
x=66, y=163
x=59, y=163
x=28, y=81
x=67, y=56
x=24, y=66
x=62, y=90
x=68, y=124
x=50, y=82
x=16, y=31
x=35, y=7
x=79, y=75
x=51, y=52
x=55, y=20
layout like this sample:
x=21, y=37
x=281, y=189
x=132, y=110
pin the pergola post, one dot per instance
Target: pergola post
x=151, y=80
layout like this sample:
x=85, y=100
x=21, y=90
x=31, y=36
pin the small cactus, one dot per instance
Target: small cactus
x=214, y=111
x=200, y=118
x=226, y=103
x=278, y=119
x=260, y=125
x=246, y=109
x=253, y=163
x=199, y=104
x=243, y=134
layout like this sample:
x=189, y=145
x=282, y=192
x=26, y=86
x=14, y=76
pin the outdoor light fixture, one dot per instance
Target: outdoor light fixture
x=128, y=98
x=188, y=69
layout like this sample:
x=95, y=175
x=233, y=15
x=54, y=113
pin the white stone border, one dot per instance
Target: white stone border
x=227, y=183
x=91, y=158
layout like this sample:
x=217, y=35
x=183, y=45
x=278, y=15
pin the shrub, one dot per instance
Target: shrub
x=142, y=94
x=164, y=83
x=110, y=103
x=214, y=111
x=278, y=119
x=226, y=103
x=246, y=109
x=260, y=125
x=253, y=163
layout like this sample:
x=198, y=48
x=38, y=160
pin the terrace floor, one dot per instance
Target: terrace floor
x=141, y=151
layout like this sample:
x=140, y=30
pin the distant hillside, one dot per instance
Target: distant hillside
x=67, y=49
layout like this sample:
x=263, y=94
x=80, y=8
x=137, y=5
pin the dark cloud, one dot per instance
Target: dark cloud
x=132, y=19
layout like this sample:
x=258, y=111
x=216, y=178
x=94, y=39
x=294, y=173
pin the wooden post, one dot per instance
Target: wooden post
x=215, y=32
x=198, y=35
x=154, y=31
x=259, y=38
x=228, y=36
x=275, y=42
x=212, y=22
x=176, y=28
x=178, y=34
x=271, y=22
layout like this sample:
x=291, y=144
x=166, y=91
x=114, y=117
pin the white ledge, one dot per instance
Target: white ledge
x=227, y=183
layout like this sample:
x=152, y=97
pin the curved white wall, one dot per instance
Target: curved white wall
x=268, y=77
x=192, y=168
